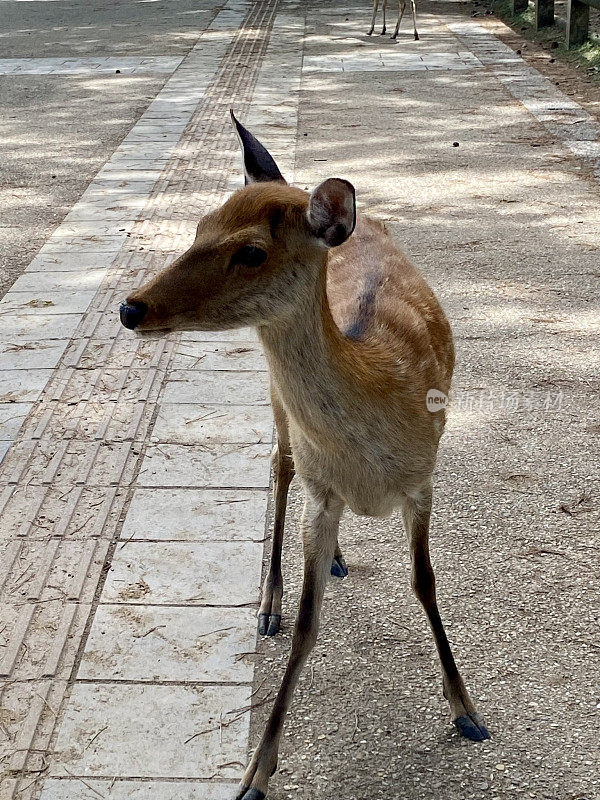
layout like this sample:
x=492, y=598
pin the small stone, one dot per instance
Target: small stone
x=455, y=144
x=500, y=767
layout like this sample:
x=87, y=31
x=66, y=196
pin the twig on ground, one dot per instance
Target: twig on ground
x=143, y=635
x=229, y=722
x=95, y=736
x=219, y=630
x=85, y=783
x=355, y=731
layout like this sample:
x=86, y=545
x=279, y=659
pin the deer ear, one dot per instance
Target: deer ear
x=259, y=165
x=332, y=211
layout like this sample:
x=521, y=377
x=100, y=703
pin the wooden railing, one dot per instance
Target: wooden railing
x=578, y=17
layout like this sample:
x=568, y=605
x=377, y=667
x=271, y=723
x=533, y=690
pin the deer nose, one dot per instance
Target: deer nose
x=132, y=313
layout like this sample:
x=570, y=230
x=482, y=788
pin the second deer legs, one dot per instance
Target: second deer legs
x=401, y=10
x=414, y=16
x=416, y=518
x=375, y=7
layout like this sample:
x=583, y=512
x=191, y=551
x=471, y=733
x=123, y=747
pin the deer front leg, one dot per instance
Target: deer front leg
x=375, y=7
x=416, y=517
x=269, y=615
x=320, y=522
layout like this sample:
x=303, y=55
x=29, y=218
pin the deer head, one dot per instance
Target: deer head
x=254, y=259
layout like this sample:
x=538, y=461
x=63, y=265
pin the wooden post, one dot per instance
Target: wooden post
x=544, y=13
x=519, y=5
x=578, y=21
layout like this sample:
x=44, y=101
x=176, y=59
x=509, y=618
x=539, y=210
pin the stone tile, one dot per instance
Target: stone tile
x=106, y=192
x=195, y=573
x=120, y=215
x=54, y=281
x=207, y=466
x=117, y=173
x=161, y=719
x=63, y=302
x=87, y=243
x=237, y=388
x=67, y=260
x=193, y=423
x=73, y=789
x=153, y=643
x=127, y=161
x=196, y=515
x=12, y=416
x=22, y=385
x=32, y=355
x=96, y=232
x=89, y=66
x=236, y=356
x=38, y=327
x=233, y=335
x=148, y=133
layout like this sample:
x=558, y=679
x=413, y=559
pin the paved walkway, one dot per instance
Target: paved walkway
x=135, y=472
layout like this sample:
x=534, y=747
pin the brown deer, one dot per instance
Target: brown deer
x=355, y=339
x=401, y=10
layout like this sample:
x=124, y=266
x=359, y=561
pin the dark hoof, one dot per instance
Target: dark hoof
x=338, y=567
x=416, y=37
x=471, y=727
x=269, y=624
x=383, y=32
x=253, y=794
x=369, y=33
x=394, y=37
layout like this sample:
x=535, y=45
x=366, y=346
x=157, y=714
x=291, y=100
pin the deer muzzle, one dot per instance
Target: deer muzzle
x=132, y=314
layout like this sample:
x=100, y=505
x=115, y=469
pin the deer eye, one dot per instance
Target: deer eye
x=249, y=256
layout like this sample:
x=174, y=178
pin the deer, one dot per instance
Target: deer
x=354, y=339
x=401, y=10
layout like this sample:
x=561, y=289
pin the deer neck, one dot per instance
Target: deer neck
x=310, y=363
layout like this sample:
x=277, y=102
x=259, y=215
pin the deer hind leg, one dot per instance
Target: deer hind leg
x=416, y=517
x=401, y=10
x=320, y=522
x=414, y=15
x=375, y=7
x=269, y=615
